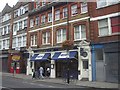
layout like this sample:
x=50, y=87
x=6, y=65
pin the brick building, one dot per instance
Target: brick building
x=49, y=25
x=94, y=28
x=105, y=33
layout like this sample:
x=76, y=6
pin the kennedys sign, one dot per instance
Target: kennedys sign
x=40, y=56
x=63, y=55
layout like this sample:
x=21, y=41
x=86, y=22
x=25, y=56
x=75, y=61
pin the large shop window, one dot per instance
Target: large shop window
x=79, y=32
x=115, y=24
x=61, y=35
x=103, y=27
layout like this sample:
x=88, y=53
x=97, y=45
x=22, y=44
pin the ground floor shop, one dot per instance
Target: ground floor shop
x=77, y=61
x=17, y=62
x=105, y=61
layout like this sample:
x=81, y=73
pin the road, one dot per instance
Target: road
x=12, y=83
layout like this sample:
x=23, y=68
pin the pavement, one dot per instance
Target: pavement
x=94, y=84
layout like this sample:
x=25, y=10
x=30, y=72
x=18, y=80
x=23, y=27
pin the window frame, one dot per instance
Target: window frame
x=61, y=35
x=80, y=32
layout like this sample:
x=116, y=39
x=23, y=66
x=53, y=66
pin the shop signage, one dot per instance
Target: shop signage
x=40, y=56
x=63, y=55
x=16, y=57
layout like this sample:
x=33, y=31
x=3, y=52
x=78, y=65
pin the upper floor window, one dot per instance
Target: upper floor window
x=4, y=44
x=19, y=41
x=115, y=24
x=57, y=14
x=109, y=26
x=43, y=19
x=37, y=20
x=16, y=13
x=14, y=42
x=20, y=25
x=15, y=27
x=50, y=17
x=61, y=35
x=33, y=40
x=46, y=38
x=65, y=12
x=43, y=2
x=74, y=9
x=102, y=3
x=79, y=32
x=26, y=8
x=25, y=23
x=37, y=3
x=103, y=27
x=84, y=7
x=8, y=28
x=31, y=23
x=5, y=30
x=24, y=40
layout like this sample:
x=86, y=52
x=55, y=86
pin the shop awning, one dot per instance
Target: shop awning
x=40, y=57
x=64, y=55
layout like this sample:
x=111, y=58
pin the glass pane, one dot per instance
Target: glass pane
x=85, y=64
x=103, y=31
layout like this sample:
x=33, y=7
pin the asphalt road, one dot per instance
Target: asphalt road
x=11, y=83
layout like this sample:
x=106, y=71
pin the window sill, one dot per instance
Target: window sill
x=57, y=20
x=46, y=44
x=80, y=39
x=84, y=12
x=74, y=15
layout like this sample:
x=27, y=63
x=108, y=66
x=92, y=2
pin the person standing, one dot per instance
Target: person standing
x=48, y=72
x=41, y=70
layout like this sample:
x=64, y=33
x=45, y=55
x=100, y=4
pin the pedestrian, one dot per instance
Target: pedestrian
x=33, y=76
x=48, y=72
x=41, y=71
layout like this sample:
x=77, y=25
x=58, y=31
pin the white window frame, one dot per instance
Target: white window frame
x=74, y=10
x=45, y=35
x=43, y=19
x=80, y=33
x=50, y=17
x=84, y=5
x=65, y=11
x=57, y=15
x=105, y=3
x=61, y=35
x=37, y=20
x=34, y=39
x=24, y=40
x=109, y=28
x=31, y=22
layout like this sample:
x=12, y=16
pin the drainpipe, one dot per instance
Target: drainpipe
x=52, y=24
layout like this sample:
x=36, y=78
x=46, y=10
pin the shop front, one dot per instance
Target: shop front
x=64, y=61
x=41, y=60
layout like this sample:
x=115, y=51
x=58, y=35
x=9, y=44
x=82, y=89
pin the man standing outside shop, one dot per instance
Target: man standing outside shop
x=41, y=70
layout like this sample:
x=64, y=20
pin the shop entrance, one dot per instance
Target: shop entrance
x=62, y=66
x=44, y=64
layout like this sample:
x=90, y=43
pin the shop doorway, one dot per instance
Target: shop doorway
x=44, y=64
x=62, y=66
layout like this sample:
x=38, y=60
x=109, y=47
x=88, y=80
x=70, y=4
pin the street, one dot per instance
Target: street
x=11, y=83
